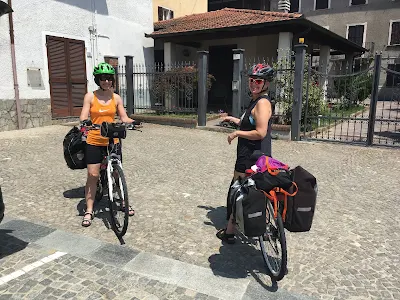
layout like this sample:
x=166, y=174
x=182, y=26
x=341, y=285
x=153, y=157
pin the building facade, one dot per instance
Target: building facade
x=374, y=24
x=169, y=9
x=57, y=43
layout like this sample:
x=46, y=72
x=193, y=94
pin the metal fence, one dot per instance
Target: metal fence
x=357, y=102
x=336, y=102
x=352, y=103
x=162, y=88
x=386, y=127
x=120, y=88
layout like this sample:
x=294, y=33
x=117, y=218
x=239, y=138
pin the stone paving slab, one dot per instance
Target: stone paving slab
x=27, y=231
x=177, y=179
x=189, y=276
x=70, y=243
x=114, y=255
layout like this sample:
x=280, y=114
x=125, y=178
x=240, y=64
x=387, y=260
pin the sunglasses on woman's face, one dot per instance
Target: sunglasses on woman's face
x=256, y=80
x=105, y=77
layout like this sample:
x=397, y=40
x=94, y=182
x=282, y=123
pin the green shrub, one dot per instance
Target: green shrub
x=285, y=90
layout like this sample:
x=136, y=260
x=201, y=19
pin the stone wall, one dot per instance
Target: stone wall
x=34, y=113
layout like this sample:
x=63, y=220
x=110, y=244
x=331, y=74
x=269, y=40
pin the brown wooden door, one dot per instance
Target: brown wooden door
x=67, y=75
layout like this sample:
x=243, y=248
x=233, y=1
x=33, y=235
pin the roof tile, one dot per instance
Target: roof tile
x=227, y=17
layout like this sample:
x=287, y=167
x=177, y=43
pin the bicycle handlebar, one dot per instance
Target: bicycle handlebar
x=129, y=126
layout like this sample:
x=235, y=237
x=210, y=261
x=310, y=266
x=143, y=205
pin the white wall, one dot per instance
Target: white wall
x=120, y=25
x=6, y=88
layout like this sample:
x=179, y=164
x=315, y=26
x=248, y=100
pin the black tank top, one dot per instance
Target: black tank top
x=246, y=147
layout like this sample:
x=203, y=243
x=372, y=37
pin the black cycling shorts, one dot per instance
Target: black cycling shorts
x=95, y=154
x=242, y=164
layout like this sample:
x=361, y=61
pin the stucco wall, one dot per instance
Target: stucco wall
x=261, y=46
x=120, y=24
x=180, y=7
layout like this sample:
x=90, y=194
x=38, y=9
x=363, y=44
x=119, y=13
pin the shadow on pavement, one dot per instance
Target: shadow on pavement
x=238, y=260
x=10, y=244
x=75, y=193
x=395, y=136
x=101, y=210
x=100, y=207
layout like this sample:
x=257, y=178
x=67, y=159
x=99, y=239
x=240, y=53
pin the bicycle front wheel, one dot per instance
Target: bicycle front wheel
x=273, y=245
x=118, y=201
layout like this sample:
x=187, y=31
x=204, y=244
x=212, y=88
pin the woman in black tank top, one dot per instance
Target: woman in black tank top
x=254, y=132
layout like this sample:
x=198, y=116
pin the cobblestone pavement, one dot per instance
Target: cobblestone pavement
x=178, y=179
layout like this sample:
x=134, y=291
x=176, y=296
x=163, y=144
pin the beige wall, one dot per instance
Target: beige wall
x=261, y=47
x=180, y=7
x=378, y=23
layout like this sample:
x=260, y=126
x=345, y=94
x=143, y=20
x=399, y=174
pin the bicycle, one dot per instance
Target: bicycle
x=112, y=177
x=275, y=256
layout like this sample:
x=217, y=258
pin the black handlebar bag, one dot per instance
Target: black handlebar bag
x=113, y=130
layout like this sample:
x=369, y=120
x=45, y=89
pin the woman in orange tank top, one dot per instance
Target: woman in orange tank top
x=101, y=105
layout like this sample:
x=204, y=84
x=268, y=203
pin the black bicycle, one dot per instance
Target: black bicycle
x=112, y=177
x=273, y=241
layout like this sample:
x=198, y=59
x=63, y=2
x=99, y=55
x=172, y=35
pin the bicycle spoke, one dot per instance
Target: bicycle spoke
x=119, y=205
x=273, y=245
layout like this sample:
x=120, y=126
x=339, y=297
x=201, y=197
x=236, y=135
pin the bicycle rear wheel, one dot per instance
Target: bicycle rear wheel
x=273, y=245
x=118, y=201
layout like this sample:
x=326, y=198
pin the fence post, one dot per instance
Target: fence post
x=300, y=51
x=116, y=88
x=202, y=88
x=237, y=97
x=374, y=99
x=129, y=85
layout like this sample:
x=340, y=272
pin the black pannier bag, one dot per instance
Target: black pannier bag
x=301, y=207
x=74, y=149
x=249, y=208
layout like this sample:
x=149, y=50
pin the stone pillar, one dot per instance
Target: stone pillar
x=298, y=91
x=284, y=45
x=324, y=57
x=237, y=96
x=169, y=55
x=348, y=62
x=284, y=61
x=202, y=88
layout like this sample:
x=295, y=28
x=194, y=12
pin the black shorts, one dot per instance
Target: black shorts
x=245, y=156
x=95, y=154
x=242, y=164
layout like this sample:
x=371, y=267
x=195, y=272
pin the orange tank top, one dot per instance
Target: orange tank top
x=100, y=113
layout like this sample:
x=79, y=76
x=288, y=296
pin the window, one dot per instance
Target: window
x=294, y=6
x=165, y=14
x=322, y=4
x=393, y=80
x=394, y=33
x=356, y=34
x=358, y=2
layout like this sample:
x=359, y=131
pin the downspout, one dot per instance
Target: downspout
x=14, y=68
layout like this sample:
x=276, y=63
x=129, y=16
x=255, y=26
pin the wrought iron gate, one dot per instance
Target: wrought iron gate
x=357, y=103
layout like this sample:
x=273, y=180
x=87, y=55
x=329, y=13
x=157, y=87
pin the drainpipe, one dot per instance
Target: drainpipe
x=14, y=68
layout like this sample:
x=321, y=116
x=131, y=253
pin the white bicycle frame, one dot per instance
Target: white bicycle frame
x=113, y=159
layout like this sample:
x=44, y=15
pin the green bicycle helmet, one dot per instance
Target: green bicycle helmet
x=103, y=68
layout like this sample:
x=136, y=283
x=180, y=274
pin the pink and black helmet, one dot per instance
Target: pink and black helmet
x=263, y=71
